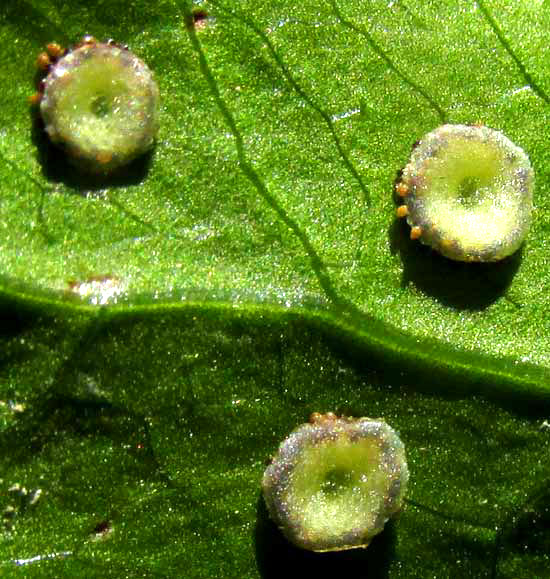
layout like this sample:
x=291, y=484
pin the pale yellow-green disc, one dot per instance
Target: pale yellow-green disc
x=100, y=103
x=335, y=483
x=470, y=190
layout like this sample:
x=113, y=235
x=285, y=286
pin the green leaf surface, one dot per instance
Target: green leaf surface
x=254, y=273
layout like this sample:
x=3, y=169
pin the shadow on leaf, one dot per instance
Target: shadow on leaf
x=277, y=558
x=529, y=531
x=461, y=285
x=57, y=167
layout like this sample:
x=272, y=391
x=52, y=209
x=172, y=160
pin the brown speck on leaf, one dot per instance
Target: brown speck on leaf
x=102, y=530
x=198, y=19
x=102, y=527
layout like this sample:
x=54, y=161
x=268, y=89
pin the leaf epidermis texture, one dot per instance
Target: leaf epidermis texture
x=269, y=197
x=282, y=132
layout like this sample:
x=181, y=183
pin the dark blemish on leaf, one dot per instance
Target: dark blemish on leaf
x=103, y=530
x=102, y=527
x=198, y=19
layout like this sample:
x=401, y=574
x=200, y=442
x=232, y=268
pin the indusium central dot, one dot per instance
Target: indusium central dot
x=99, y=102
x=468, y=193
x=335, y=482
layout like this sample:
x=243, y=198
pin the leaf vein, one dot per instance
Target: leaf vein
x=537, y=89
